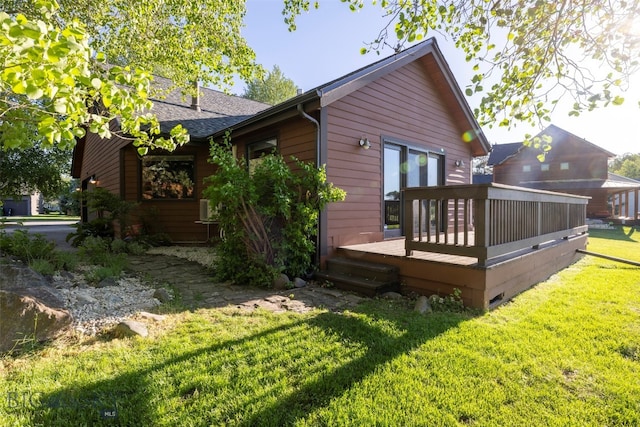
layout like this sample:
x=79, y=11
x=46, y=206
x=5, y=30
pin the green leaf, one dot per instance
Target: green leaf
x=618, y=100
x=34, y=92
x=19, y=88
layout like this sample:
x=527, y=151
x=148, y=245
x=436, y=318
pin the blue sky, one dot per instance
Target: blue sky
x=327, y=45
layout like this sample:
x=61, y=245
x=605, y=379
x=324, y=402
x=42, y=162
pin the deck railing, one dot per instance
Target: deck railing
x=489, y=220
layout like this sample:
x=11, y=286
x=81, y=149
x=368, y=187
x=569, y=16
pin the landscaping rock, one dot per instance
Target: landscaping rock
x=130, y=328
x=83, y=298
x=30, y=308
x=162, y=295
x=109, y=281
x=24, y=318
x=152, y=316
x=422, y=305
x=391, y=295
x=281, y=282
x=299, y=283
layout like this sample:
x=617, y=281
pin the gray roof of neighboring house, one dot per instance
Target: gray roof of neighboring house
x=501, y=152
x=218, y=110
x=622, y=181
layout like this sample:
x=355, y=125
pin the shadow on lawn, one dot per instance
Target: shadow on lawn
x=373, y=337
x=618, y=233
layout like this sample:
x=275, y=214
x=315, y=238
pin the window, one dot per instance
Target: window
x=168, y=177
x=526, y=168
x=544, y=167
x=257, y=150
x=564, y=166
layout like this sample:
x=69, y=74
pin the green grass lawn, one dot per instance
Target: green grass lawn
x=564, y=353
x=40, y=217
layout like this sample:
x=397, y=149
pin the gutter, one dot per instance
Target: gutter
x=302, y=113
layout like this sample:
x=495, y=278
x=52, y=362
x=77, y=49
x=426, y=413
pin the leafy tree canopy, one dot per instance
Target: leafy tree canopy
x=52, y=88
x=526, y=54
x=36, y=168
x=273, y=89
x=626, y=165
x=54, y=80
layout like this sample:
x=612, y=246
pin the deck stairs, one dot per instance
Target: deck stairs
x=363, y=277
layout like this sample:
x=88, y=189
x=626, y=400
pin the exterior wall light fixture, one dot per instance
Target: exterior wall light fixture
x=93, y=180
x=364, y=143
x=459, y=163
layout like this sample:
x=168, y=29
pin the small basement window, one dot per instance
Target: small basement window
x=168, y=177
x=526, y=168
x=564, y=166
x=544, y=167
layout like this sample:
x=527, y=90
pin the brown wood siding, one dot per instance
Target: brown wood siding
x=407, y=106
x=102, y=159
x=296, y=137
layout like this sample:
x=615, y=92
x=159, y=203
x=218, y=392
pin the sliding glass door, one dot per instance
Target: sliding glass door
x=404, y=167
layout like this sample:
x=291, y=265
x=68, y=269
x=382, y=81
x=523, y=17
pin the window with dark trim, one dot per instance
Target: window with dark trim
x=257, y=150
x=168, y=177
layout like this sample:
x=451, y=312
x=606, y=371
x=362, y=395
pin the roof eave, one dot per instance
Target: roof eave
x=277, y=109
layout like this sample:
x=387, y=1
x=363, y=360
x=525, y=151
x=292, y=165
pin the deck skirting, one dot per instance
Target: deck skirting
x=482, y=287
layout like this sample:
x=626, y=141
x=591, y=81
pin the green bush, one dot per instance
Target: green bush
x=118, y=246
x=25, y=246
x=43, y=266
x=108, y=207
x=269, y=215
x=99, y=252
x=65, y=261
x=95, y=250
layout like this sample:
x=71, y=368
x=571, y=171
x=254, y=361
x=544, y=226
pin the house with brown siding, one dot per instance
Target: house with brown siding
x=398, y=123
x=399, y=138
x=573, y=165
x=408, y=108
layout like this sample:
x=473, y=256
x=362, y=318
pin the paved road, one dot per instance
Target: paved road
x=53, y=230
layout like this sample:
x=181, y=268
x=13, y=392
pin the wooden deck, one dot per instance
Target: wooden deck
x=482, y=286
x=493, y=241
x=396, y=247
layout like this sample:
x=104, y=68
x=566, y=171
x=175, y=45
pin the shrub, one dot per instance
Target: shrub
x=65, y=261
x=119, y=246
x=43, y=266
x=108, y=208
x=269, y=215
x=26, y=246
x=95, y=250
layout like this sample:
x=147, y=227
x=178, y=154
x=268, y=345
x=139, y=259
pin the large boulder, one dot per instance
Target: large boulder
x=25, y=318
x=30, y=309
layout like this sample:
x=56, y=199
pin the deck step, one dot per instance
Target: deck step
x=367, y=278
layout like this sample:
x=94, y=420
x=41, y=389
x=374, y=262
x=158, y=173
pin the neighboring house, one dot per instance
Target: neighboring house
x=574, y=165
x=396, y=123
x=27, y=205
x=624, y=198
